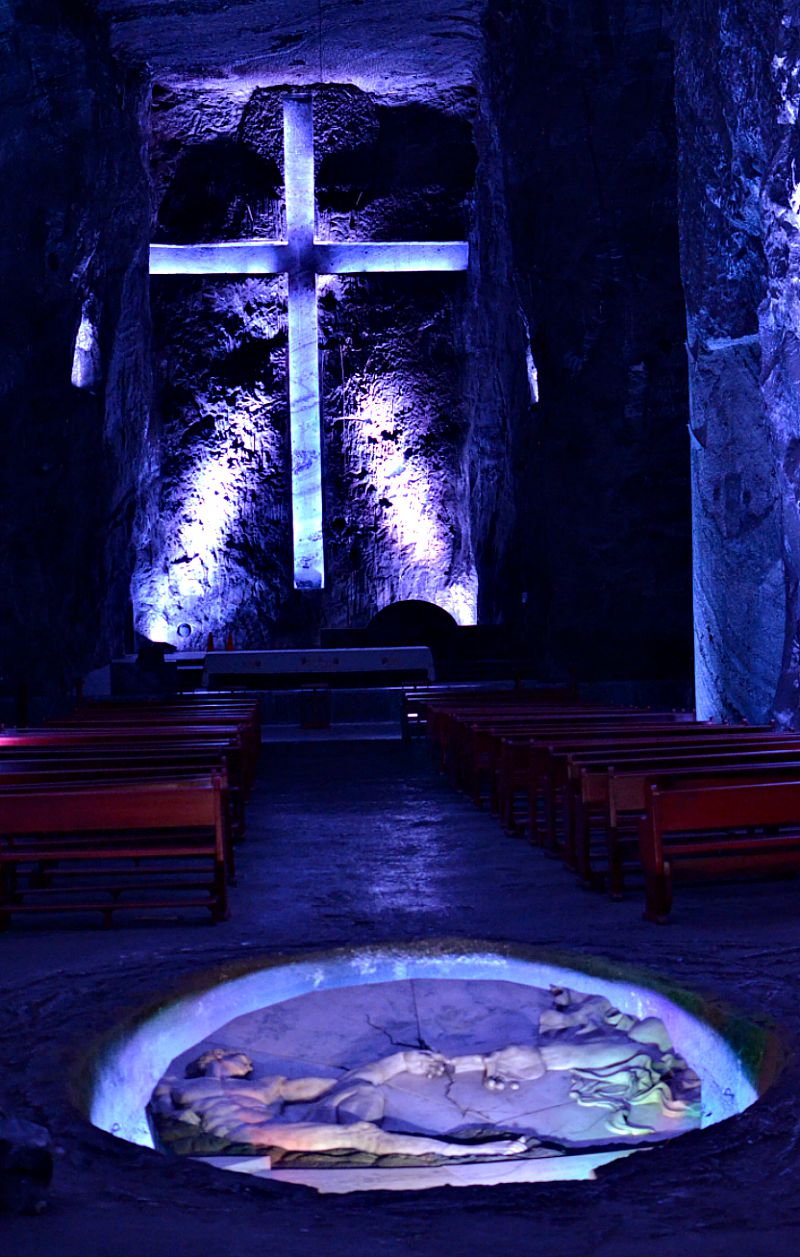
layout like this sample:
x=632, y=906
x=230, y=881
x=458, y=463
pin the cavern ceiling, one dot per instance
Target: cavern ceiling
x=393, y=47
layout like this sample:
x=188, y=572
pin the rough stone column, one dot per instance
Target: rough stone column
x=736, y=99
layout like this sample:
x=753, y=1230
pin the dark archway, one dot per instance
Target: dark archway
x=413, y=622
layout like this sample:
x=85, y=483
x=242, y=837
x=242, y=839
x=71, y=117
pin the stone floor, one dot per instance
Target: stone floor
x=357, y=843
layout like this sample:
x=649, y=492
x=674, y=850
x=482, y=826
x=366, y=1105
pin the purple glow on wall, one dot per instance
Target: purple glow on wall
x=209, y=516
x=420, y=531
x=199, y=557
x=302, y=258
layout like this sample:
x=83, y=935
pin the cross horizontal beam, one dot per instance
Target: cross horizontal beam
x=272, y=257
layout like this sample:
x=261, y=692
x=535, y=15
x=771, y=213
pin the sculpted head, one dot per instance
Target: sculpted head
x=220, y=1063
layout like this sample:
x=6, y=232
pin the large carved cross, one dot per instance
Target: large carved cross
x=302, y=257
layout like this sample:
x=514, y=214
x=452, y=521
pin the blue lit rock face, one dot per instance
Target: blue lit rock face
x=216, y=551
x=438, y=467
x=303, y=259
x=215, y=543
x=737, y=98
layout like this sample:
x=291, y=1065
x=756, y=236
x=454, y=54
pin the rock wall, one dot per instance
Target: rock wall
x=74, y=373
x=499, y=380
x=738, y=93
x=597, y=581
x=215, y=542
x=444, y=476
x=566, y=519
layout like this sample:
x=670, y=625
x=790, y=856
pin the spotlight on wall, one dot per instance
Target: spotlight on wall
x=184, y=630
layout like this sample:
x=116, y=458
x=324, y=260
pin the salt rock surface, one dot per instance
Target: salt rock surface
x=215, y=546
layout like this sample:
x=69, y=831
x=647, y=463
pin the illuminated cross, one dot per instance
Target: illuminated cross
x=302, y=257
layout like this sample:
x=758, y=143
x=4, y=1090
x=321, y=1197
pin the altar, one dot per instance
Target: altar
x=291, y=669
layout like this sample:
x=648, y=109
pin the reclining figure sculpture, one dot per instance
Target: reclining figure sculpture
x=340, y=1113
x=615, y=1062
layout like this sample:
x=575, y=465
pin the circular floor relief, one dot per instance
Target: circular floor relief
x=382, y=1071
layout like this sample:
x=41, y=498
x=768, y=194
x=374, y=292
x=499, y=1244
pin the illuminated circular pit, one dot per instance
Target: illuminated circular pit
x=518, y=1069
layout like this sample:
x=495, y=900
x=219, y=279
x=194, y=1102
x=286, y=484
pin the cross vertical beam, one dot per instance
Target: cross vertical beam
x=304, y=394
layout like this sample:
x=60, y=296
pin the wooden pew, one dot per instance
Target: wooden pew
x=519, y=758
x=629, y=790
x=511, y=755
x=87, y=772
x=181, y=723
x=716, y=831
x=566, y=761
x=446, y=720
x=443, y=716
x=123, y=745
x=154, y=737
x=417, y=699
x=81, y=747
x=144, y=837
x=475, y=741
x=248, y=710
x=585, y=794
x=550, y=764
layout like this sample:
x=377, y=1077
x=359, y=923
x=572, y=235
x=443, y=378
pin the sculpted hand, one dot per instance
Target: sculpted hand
x=511, y=1066
x=425, y=1064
